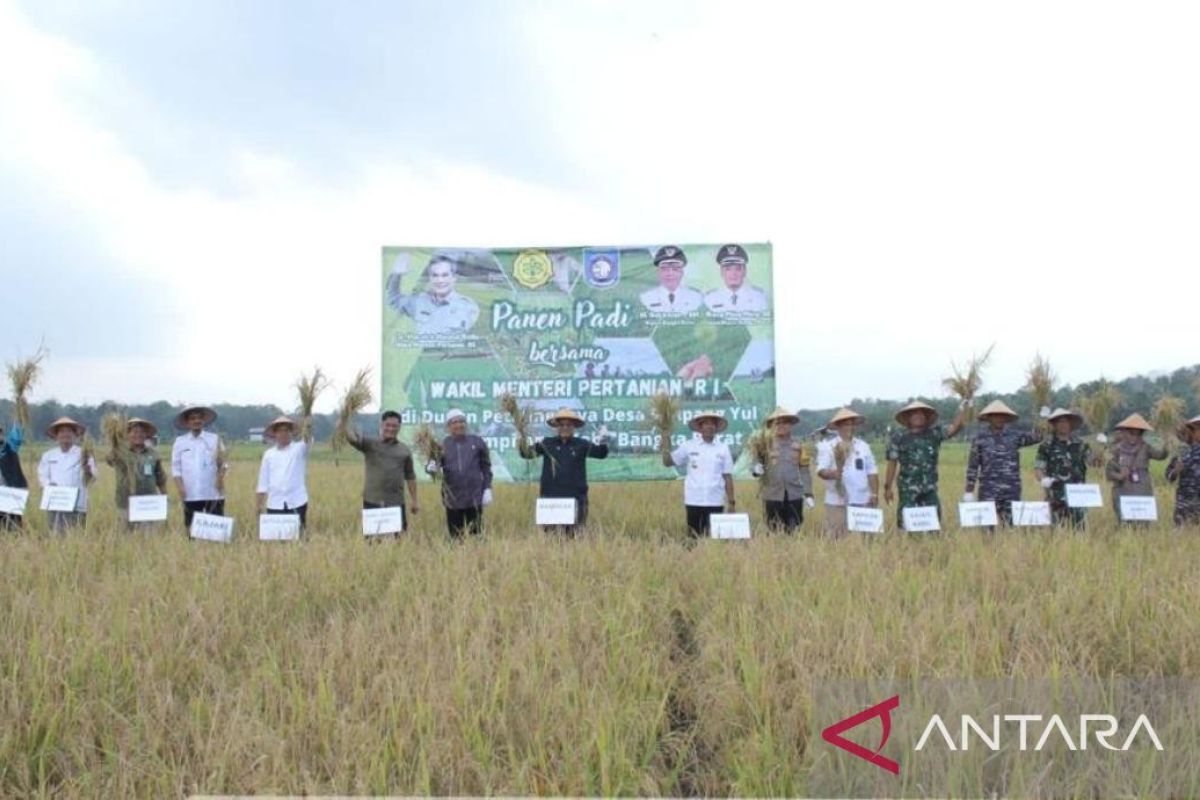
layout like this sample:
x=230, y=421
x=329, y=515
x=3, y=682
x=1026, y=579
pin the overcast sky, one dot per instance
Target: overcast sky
x=193, y=195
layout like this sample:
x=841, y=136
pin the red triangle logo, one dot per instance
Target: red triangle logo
x=833, y=734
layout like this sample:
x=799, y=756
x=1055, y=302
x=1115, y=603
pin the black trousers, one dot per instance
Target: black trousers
x=787, y=514
x=699, y=519
x=463, y=521
x=581, y=515
x=192, y=507
x=300, y=511
x=11, y=522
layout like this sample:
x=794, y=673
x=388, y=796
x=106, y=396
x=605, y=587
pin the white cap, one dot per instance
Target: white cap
x=453, y=414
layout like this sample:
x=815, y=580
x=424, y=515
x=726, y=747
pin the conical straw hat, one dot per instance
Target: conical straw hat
x=278, y=421
x=52, y=430
x=1134, y=422
x=151, y=428
x=566, y=413
x=781, y=414
x=998, y=408
x=916, y=405
x=210, y=416
x=722, y=423
x=844, y=414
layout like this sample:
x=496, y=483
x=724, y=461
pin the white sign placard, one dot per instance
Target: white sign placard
x=13, y=501
x=921, y=519
x=1032, y=514
x=1139, y=509
x=1084, y=495
x=59, y=498
x=864, y=520
x=381, y=521
x=147, y=507
x=212, y=528
x=278, y=527
x=978, y=514
x=729, y=526
x=555, y=511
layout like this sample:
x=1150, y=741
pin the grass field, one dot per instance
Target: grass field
x=622, y=663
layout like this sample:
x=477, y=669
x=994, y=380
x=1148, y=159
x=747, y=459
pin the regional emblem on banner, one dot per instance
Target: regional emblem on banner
x=532, y=268
x=602, y=268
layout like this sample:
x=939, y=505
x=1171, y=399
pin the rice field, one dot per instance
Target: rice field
x=517, y=663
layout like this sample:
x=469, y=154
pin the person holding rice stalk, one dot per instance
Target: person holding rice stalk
x=198, y=464
x=65, y=465
x=1185, y=469
x=564, y=462
x=1129, y=461
x=708, y=481
x=847, y=466
x=139, y=471
x=912, y=453
x=786, y=479
x=1062, y=458
x=11, y=473
x=994, y=465
x=281, y=475
x=465, y=465
x=387, y=466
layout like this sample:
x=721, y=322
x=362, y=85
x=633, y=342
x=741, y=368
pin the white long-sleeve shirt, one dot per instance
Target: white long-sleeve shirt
x=59, y=468
x=281, y=476
x=195, y=460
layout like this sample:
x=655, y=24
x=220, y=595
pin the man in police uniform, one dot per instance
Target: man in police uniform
x=670, y=296
x=438, y=310
x=735, y=295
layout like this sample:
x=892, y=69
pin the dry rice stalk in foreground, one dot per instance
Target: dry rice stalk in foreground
x=966, y=384
x=356, y=397
x=1168, y=414
x=309, y=389
x=1040, y=380
x=760, y=446
x=1098, y=406
x=519, y=416
x=841, y=452
x=23, y=375
x=428, y=444
x=663, y=410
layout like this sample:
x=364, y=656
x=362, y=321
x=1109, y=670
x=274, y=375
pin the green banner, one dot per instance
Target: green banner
x=599, y=330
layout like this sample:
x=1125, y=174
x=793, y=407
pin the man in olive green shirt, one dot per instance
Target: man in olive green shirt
x=139, y=470
x=389, y=466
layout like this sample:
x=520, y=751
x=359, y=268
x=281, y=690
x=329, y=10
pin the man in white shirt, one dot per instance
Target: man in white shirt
x=855, y=481
x=670, y=296
x=735, y=296
x=64, y=465
x=198, y=464
x=708, y=482
x=281, y=488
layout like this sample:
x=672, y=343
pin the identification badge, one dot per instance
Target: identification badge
x=1136, y=477
x=147, y=469
x=858, y=464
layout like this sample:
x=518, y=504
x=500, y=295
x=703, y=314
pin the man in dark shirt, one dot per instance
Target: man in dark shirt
x=466, y=469
x=564, y=462
x=389, y=466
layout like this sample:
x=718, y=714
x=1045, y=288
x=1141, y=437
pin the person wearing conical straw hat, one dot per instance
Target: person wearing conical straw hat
x=1184, y=469
x=564, y=462
x=12, y=475
x=786, y=485
x=198, y=464
x=281, y=476
x=1062, y=458
x=994, y=463
x=708, y=477
x=846, y=460
x=64, y=465
x=912, y=455
x=139, y=471
x=1129, y=460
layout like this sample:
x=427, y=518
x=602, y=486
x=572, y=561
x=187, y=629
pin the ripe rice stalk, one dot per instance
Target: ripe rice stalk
x=965, y=384
x=841, y=453
x=428, y=444
x=356, y=397
x=1168, y=414
x=113, y=431
x=1039, y=381
x=23, y=375
x=87, y=451
x=1098, y=406
x=663, y=411
x=760, y=446
x=519, y=416
x=309, y=388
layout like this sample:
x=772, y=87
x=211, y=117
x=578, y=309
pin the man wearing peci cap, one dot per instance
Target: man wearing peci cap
x=848, y=468
x=1062, y=458
x=281, y=475
x=708, y=480
x=65, y=465
x=11, y=473
x=912, y=454
x=198, y=464
x=671, y=296
x=1185, y=469
x=1129, y=460
x=735, y=296
x=466, y=469
x=786, y=477
x=564, y=462
x=387, y=466
x=994, y=463
x=138, y=470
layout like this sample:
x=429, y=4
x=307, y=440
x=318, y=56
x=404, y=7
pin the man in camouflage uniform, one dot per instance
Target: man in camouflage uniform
x=912, y=452
x=1062, y=459
x=995, y=460
x=1185, y=468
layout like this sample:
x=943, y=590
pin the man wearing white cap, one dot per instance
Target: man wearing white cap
x=438, y=310
x=994, y=463
x=913, y=454
x=466, y=469
x=708, y=481
x=198, y=464
x=848, y=468
x=65, y=465
x=281, y=475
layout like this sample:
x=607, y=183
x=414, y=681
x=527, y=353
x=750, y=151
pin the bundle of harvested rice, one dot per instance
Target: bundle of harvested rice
x=112, y=430
x=841, y=453
x=356, y=397
x=1040, y=380
x=428, y=444
x=309, y=388
x=1168, y=415
x=1098, y=406
x=663, y=411
x=520, y=419
x=966, y=384
x=23, y=375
